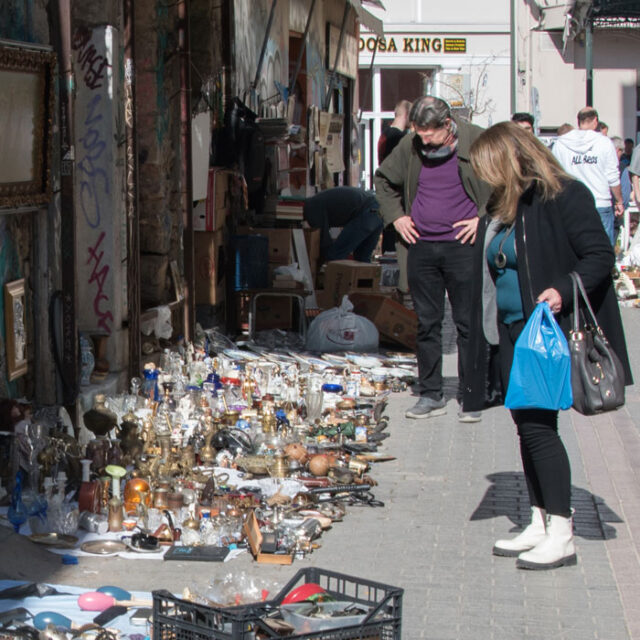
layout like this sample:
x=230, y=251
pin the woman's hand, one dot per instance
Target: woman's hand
x=467, y=231
x=553, y=298
x=407, y=230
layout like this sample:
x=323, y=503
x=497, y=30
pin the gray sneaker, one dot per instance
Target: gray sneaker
x=468, y=416
x=427, y=408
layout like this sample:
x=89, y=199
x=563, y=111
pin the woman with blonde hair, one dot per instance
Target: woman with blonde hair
x=543, y=225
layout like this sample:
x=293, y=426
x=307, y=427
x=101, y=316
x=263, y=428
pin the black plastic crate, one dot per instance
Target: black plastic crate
x=176, y=619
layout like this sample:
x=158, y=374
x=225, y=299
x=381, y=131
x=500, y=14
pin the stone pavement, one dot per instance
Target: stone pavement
x=452, y=490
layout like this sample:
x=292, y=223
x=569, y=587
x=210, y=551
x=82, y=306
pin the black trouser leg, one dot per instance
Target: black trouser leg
x=544, y=458
x=434, y=267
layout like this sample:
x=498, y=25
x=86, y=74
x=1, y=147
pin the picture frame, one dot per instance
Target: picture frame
x=15, y=319
x=27, y=102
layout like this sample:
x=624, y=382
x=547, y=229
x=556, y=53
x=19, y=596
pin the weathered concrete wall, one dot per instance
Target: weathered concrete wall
x=158, y=121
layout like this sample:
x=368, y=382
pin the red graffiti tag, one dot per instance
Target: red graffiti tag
x=91, y=62
x=99, y=275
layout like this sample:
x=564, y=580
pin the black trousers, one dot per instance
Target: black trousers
x=544, y=458
x=433, y=268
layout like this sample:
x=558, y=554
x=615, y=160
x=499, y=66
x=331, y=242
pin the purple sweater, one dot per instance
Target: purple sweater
x=440, y=201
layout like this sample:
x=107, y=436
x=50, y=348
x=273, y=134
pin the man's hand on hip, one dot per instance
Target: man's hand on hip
x=407, y=230
x=467, y=231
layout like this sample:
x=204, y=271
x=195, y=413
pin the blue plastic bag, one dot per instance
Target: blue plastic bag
x=541, y=370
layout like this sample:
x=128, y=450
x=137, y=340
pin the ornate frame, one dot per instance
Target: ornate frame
x=15, y=319
x=26, y=112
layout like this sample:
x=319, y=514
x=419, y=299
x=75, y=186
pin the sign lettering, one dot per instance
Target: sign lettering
x=413, y=44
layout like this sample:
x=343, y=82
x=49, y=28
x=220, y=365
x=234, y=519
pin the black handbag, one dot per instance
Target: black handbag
x=597, y=376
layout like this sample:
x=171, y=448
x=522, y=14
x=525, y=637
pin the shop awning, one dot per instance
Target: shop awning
x=367, y=19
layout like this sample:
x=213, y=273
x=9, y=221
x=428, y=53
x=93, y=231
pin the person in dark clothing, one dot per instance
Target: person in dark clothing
x=542, y=225
x=353, y=209
x=395, y=131
x=386, y=144
x=428, y=191
x=524, y=120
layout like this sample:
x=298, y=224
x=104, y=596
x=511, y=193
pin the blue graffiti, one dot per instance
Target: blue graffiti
x=94, y=180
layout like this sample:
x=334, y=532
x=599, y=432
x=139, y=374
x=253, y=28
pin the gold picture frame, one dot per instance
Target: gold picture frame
x=15, y=319
x=26, y=112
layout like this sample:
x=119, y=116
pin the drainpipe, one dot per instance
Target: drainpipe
x=332, y=76
x=67, y=360
x=131, y=192
x=189, y=311
x=514, y=58
x=588, y=47
x=294, y=77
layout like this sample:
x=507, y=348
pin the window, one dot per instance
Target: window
x=403, y=84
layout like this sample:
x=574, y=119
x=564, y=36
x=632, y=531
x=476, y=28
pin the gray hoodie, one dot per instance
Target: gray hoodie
x=591, y=158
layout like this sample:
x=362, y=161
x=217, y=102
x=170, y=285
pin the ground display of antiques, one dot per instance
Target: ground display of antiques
x=212, y=453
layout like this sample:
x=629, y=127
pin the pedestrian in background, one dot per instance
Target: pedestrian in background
x=591, y=157
x=391, y=241
x=625, y=158
x=524, y=120
x=390, y=137
x=353, y=209
x=634, y=172
x=542, y=225
x=428, y=191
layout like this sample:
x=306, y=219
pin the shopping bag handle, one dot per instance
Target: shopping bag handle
x=579, y=292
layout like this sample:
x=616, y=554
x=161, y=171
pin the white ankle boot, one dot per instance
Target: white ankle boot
x=528, y=539
x=556, y=550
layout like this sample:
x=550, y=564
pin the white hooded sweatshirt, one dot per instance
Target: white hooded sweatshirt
x=591, y=158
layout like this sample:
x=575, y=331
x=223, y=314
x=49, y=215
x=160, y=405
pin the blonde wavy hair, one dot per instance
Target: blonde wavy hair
x=510, y=159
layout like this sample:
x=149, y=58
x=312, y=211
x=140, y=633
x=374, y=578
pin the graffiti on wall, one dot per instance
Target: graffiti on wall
x=94, y=162
x=251, y=17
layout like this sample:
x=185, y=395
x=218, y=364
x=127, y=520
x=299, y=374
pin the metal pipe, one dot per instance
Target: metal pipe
x=189, y=311
x=61, y=35
x=131, y=192
x=370, y=80
x=588, y=45
x=343, y=28
x=294, y=77
x=264, y=44
x=514, y=57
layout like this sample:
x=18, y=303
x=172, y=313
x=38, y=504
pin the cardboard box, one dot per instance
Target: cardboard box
x=280, y=251
x=210, y=214
x=347, y=277
x=272, y=311
x=254, y=537
x=312, y=240
x=205, y=219
x=393, y=320
x=209, y=266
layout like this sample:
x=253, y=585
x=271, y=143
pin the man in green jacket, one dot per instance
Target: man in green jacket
x=428, y=191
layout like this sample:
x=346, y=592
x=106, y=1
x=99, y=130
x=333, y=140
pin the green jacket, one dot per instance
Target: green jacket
x=396, y=179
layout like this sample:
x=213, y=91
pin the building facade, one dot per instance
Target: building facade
x=491, y=59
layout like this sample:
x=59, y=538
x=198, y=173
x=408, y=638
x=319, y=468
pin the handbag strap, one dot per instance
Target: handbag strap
x=580, y=292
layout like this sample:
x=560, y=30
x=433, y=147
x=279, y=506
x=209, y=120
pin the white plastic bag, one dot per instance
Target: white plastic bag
x=160, y=324
x=339, y=329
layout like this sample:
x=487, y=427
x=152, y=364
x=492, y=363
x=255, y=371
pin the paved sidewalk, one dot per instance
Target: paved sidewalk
x=452, y=490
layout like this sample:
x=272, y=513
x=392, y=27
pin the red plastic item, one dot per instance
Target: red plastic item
x=303, y=592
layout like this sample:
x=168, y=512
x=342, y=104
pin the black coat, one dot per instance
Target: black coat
x=552, y=239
